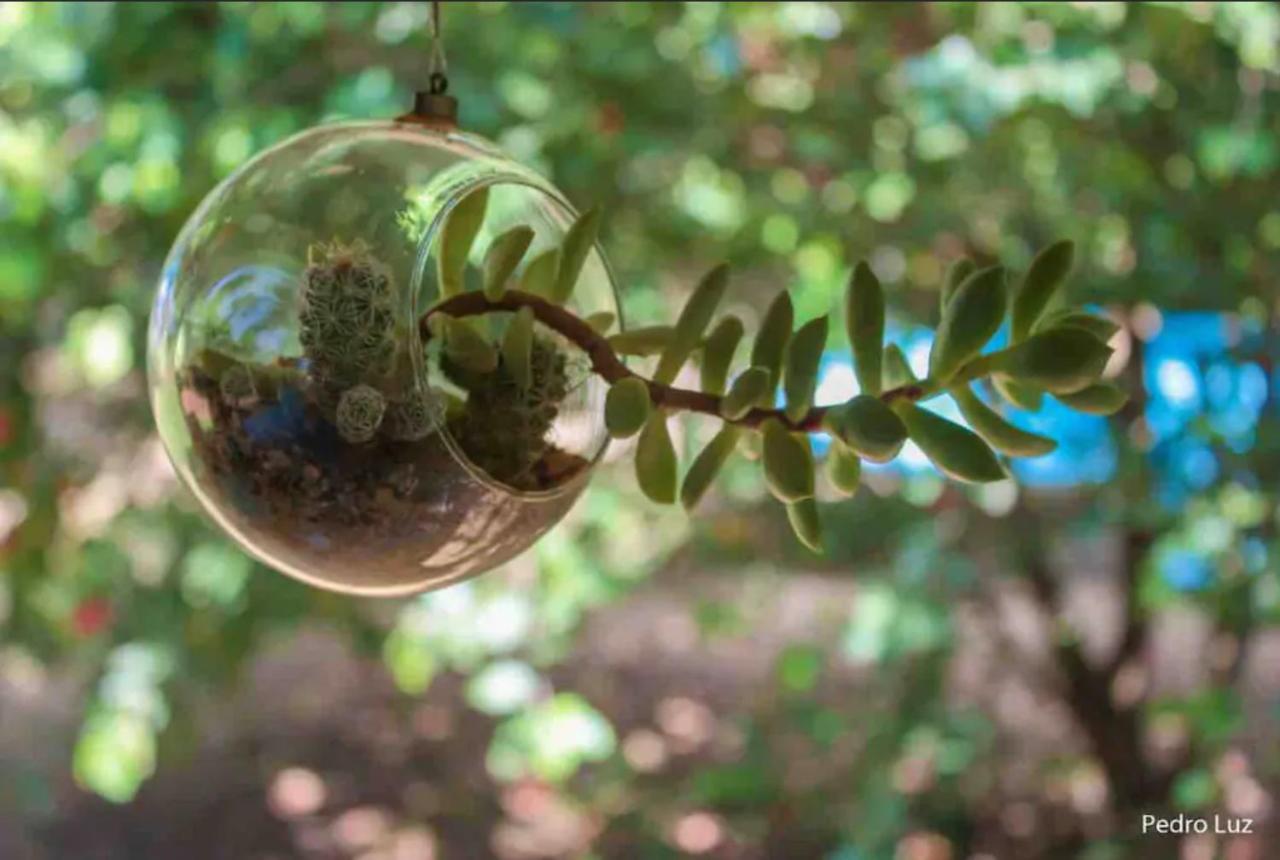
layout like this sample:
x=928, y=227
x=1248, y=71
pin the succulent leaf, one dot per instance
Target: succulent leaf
x=788, y=462
x=540, y=273
x=656, y=460
x=770, y=347
x=500, y=261
x=1018, y=394
x=717, y=353
x=707, y=465
x=745, y=392
x=868, y=426
x=1101, y=398
x=578, y=242
x=844, y=470
x=958, y=452
x=517, y=347
x=897, y=370
x=646, y=340
x=864, y=323
x=957, y=272
x=456, y=239
x=626, y=407
x=1000, y=434
x=1060, y=360
x=969, y=320
x=801, y=374
x=468, y=348
x=1047, y=272
x=805, y=522
x=692, y=323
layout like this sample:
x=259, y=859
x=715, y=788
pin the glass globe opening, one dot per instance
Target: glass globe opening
x=301, y=404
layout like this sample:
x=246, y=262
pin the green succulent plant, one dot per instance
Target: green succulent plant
x=514, y=388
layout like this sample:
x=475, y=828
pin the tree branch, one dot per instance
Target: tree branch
x=606, y=363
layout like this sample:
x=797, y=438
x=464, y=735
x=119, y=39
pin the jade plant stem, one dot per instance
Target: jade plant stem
x=608, y=365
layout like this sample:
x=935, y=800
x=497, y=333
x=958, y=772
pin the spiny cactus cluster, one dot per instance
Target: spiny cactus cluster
x=1056, y=351
x=505, y=426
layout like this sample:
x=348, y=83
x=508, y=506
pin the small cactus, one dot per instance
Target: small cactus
x=347, y=317
x=237, y=385
x=359, y=413
x=414, y=417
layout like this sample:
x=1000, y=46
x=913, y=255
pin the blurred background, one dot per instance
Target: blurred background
x=1015, y=671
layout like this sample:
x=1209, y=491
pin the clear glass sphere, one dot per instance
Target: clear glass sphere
x=301, y=405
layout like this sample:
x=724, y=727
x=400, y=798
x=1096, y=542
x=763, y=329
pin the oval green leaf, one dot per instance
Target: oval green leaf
x=710, y=460
x=770, y=347
x=692, y=323
x=578, y=242
x=717, y=354
x=656, y=460
x=1101, y=398
x=517, y=347
x=788, y=462
x=1017, y=393
x=1000, y=434
x=970, y=319
x=456, y=239
x=805, y=522
x=958, y=453
x=1047, y=272
x=897, y=370
x=801, y=375
x=1099, y=326
x=540, y=274
x=1060, y=360
x=957, y=272
x=745, y=392
x=502, y=258
x=864, y=323
x=626, y=407
x=601, y=321
x=868, y=426
x=844, y=470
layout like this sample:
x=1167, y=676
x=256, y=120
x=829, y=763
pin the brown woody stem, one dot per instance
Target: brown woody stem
x=606, y=363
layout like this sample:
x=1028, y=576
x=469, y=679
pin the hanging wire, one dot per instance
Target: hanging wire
x=438, y=80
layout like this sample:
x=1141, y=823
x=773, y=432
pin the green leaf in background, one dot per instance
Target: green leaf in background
x=969, y=320
x=770, y=347
x=718, y=352
x=692, y=323
x=707, y=465
x=745, y=392
x=517, y=347
x=1101, y=398
x=503, y=687
x=788, y=462
x=801, y=374
x=115, y=754
x=1061, y=360
x=456, y=239
x=626, y=407
x=550, y=740
x=958, y=452
x=502, y=258
x=868, y=426
x=1047, y=272
x=656, y=467
x=410, y=660
x=578, y=242
x=999, y=434
x=864, y=323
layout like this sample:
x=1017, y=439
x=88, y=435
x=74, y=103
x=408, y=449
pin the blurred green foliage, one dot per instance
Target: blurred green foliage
x=792, y=139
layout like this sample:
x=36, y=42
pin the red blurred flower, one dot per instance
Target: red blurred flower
x=91, y=616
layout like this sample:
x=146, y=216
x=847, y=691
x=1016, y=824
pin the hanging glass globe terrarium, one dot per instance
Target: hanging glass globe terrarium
x=301, y=401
